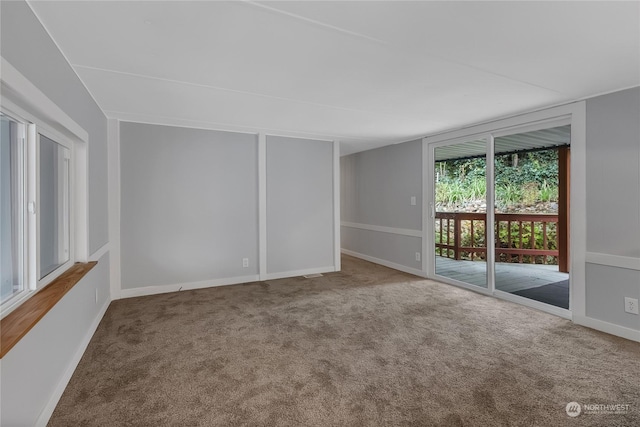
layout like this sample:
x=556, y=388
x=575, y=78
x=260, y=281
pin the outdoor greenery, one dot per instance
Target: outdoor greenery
x=523, y=182
x=520, y=179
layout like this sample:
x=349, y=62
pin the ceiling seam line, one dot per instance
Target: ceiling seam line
x=411, y=52
x=315, y=22
x=163, y=79
x=250, y=129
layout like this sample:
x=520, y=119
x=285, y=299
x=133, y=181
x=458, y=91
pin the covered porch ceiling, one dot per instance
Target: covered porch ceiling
x=510, y=144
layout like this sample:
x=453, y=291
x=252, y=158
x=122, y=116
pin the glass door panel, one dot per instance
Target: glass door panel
x=461, y=212
x=531, y=215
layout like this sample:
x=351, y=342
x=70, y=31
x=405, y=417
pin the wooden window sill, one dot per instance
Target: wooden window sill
x=23, y=318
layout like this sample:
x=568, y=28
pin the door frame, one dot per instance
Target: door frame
x=573, y=114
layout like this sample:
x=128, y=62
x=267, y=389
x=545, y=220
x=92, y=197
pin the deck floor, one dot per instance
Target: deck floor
x=509, y=277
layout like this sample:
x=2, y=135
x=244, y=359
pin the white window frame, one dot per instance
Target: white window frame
x=33, y=175
x=25, y=103
x=23, y=230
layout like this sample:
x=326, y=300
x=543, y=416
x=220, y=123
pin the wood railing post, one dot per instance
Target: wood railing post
x=564, y=161
x=515, y=250
x=456, y=238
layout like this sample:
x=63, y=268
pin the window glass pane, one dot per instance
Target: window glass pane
x=54, y=205
x=461, y=212
x=11, y=209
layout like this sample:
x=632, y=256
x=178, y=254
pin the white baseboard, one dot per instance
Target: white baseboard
x=47, y=411
x=295, y=273
x=163, y=289
x=610, y=328
x=386, y=263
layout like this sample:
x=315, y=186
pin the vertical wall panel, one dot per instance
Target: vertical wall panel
x=613, y=174
x=613, y=203
x=189, y=205
x=299, y=204
x=376, y=190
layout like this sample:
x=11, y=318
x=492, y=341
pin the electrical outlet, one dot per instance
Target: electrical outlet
x=413, y=200
x=245, y=262
x=631, y=305
x=417, y=256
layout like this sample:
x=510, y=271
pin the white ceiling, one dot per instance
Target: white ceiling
x=365, y=73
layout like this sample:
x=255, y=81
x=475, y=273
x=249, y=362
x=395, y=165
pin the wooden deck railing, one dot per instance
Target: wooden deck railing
x=523, y=238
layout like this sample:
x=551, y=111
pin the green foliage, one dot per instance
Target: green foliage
x=537, y=166
x=529, y=193
x=455, y=191
x=548, y=193
x=524, y=178
x=508, y=194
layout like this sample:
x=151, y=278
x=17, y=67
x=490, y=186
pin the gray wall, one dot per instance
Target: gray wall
x=299, y=204
x=189, y=205
x=613, y=203
x=613, y=174
x=606, y=288
x=376, y=189
x=33, y=369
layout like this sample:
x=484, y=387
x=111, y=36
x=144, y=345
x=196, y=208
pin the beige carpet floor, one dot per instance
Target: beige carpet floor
x=368, y=346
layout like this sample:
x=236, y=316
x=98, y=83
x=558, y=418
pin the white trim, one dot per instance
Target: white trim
x=336, y=206
x=113, y=169
x=296, y=273
x=26, y=92
x=262, y=205
x=610, y=328
x=284, y=134
x=427, y=207
x=385, y=263
x=32, y=220
x=383, y=229
x=490, y=215
x=163, y=289
x=577, y=209
x=100, y=252
x=81, y=200
x=222, y=127
x=527, y=302
x=48, y=409
x=630, y=263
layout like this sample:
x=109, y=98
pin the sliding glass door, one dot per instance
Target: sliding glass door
x=500, y=212
x=460, y=212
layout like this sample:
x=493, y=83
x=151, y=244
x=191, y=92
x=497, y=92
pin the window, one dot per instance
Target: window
x=53, y=205
x=11, y=209
x=36, y=206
